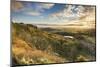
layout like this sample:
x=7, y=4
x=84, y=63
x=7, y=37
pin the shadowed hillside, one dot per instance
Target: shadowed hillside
x=31, y=45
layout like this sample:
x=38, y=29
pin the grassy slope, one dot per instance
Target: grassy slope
x=33, y=46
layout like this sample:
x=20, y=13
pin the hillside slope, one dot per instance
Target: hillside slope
x=30, y=45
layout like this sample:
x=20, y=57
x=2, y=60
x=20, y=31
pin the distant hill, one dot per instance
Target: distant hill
x=31, y=45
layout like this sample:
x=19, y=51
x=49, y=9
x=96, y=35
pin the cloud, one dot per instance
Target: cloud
x=29, y=8
x=47, y=6
x=33, y=13
x=16, y=5
x=65, y=15
x=40, y=7
x=73, y=13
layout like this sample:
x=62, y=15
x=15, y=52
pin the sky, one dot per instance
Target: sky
x=49, y=13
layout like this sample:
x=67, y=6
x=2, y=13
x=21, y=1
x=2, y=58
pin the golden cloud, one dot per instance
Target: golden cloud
x=16, y=5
